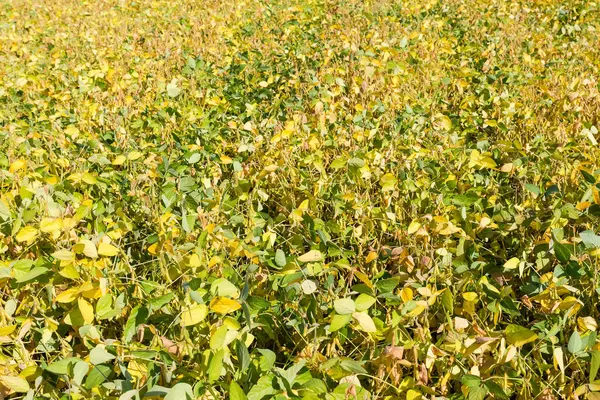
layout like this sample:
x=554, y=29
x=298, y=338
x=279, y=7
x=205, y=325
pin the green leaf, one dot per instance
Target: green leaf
x=62, y=367
x=356, y=163
x=562, y=252
x=242, y=355
x=363, y=302
x=217, y=339
x=99, y=355
x=236, y=392
x=344, y=306
x=280, y=259
x=533, y=189
x=590, y=239
x=215, y=366
x=339, y=321
x=353, y=366
x=594, y=365
x=575, y=344
x=31, y=275
x=222, y=287
x=181, y=391
x=97, y=376
x=496, y=390
x=477, y=393
x=470, y=380
x=465, y=200
x=267, y=359
x=264, y=387
x=138, y=316
x=80, y=370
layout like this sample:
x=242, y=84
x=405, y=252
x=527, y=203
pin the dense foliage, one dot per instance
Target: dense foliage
x=322, y=199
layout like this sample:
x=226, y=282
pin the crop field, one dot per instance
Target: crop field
x=310, y=199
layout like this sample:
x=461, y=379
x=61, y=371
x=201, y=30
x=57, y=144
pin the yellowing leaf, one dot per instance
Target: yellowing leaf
x=388, y=182
x=64, y=255
x=50, y=225
x=86, y=309
x=365, y=322
x=344, y=306
x=512, y=263
x=68, y=295
x=16, y=384
x=107, y=250
x=311, y=256
x=519, y=336
x=194, y=315
x=27, y=234
x=86, y=247
x=223, y=305
x=89, y=178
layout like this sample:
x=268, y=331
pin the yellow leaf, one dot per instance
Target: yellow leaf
x=17, y=165
x=50, y=225
x=223, y=305
x=153, y=249
x=137, y=368
x=311, y=256
x=119, y=160
x=519, y=336
x=226, y=160
x=469, y=296
x=418, y=310
x=445, y=122
x=587, y=323
x=365, y=322
x=406, y=294
x=107, y=250
x=14, y=383
x=413, y=227
x=7, y=330
x=559, y=359
x=371, y=257
x=413, y=395
x=68, y=295
x=86, y=309
x=64, y=255
x=194, y=315
x=194, y=261
x=512, y=263
x=134, y=155
x=27, y=234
